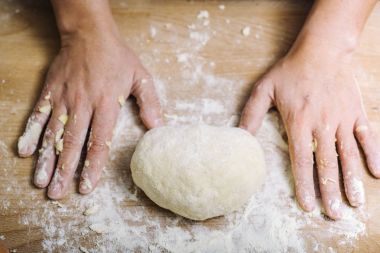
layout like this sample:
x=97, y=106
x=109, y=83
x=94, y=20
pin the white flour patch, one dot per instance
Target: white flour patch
x=202, y=106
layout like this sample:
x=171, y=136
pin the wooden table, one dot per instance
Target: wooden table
x=29, y=41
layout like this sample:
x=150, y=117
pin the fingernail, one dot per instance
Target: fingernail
x=55, y=187
x=85, y=185
x=357, y=191
x=27, y=143
x=308, y=203
x=41, y=177
x=335, y=209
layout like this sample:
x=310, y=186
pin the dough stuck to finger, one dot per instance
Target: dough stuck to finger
x=45, y=109
x=121, y=100
x=198, y=171
x=361, y=128
x=63, y=119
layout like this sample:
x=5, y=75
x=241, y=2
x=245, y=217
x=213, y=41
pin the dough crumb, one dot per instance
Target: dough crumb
x=86, y=163
x=361, y=128
x=45, y=109
x=121, y=100
x=59, y=141
x=59, y=135
x=246, y=31
x=108, y=144
x=63, y=118
x=222, y=7
x=47, y=97
x=59, y=147
x=314, y=145
x=91, y=210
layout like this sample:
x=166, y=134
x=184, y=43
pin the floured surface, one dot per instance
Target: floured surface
x=203, y=66
x=271, y=221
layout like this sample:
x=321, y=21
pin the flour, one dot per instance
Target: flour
x=270, y=222
x=128, y=221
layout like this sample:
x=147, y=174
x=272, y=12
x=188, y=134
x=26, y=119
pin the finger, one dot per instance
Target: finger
x=328, y=173
x=148, y=101
x=351, y=166
x=98, y=147
x=47, y=157
x=256, y=107
x=368, y=141
x=301, y=157
x=73, y=140
x=27, y=143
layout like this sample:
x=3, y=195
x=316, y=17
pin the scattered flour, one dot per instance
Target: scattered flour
x=270, y=222
x=246, y=31
x=126, y=221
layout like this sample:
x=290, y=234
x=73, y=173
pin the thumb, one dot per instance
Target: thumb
x=257, y=106
x=148, y=101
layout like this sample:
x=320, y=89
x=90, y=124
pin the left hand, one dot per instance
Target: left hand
x=319, y=100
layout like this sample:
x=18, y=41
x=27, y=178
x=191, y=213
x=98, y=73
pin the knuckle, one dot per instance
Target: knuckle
x=350, y=153
x=80, y=98
x=96, y=145
x=329, y=190
x=49, y=134
x=302, y=162
x=261, y=87
x=71, y=142
x=296, y=121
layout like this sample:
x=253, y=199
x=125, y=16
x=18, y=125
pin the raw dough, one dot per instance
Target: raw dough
x=198, y=171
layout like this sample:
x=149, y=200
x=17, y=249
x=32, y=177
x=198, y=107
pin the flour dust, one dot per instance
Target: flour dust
x=126, y=221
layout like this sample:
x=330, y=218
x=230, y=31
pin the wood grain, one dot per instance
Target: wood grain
x=29, y=41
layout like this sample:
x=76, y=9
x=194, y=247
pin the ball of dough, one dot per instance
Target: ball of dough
x=198, y=171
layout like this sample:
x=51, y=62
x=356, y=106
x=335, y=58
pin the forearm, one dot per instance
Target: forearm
x=84, y=16
x=336, y=24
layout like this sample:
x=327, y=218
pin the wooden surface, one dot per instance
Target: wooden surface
x=29, y=41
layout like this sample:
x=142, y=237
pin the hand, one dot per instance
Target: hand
x=90, y=78
x=316, y=93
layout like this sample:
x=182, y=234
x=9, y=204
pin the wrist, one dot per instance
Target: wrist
x=336, y=41
x=316, y=46
x=84, y=18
